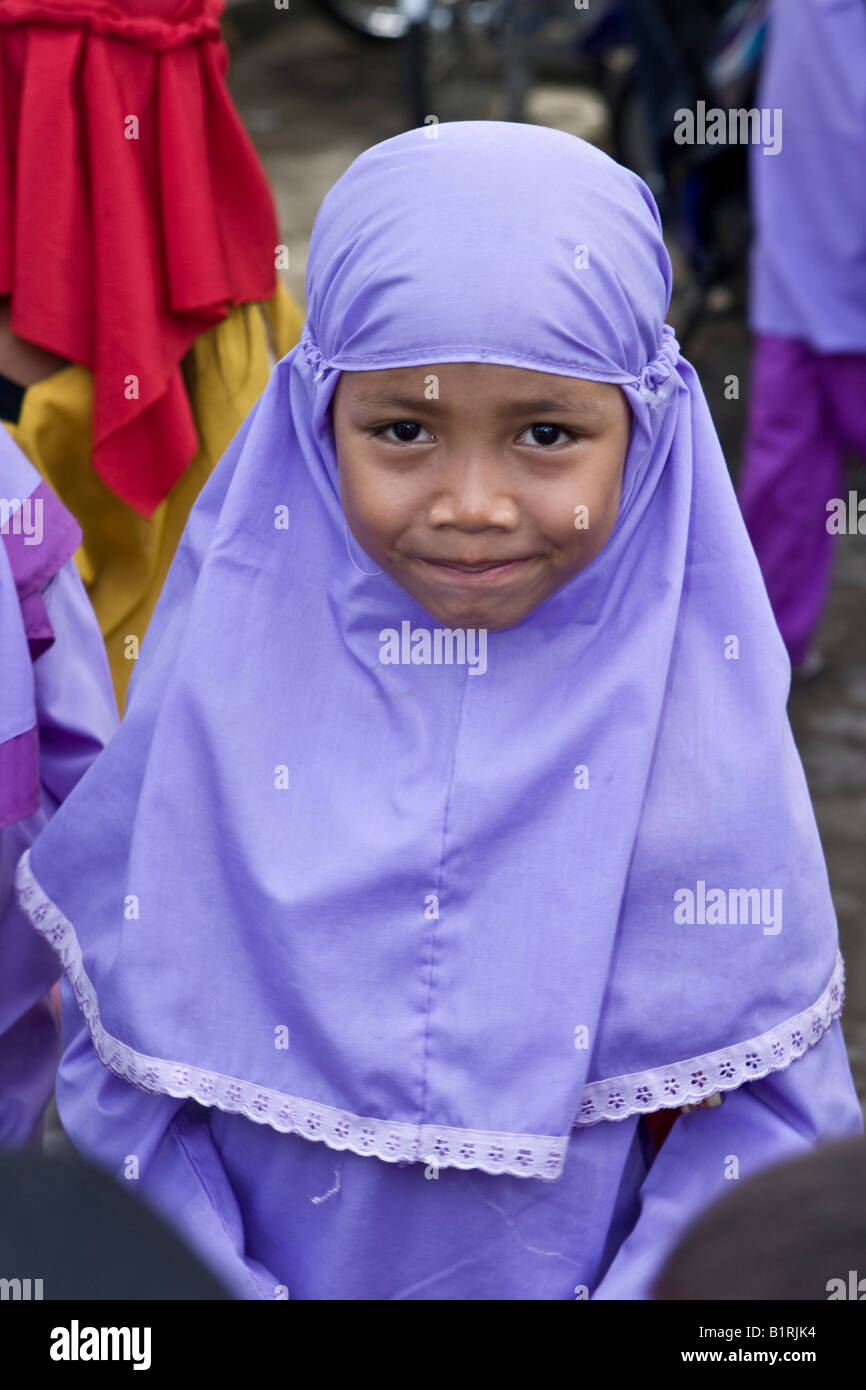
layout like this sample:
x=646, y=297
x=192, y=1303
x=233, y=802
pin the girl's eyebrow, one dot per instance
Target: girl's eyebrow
x=390, y=399
x=552, y=403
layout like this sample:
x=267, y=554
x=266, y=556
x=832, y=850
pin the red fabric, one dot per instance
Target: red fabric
x=118, y=253
x=158, y=24
x=660, y=1123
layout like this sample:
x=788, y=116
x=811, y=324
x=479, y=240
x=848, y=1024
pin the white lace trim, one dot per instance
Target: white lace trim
x=684, y=1083
x=520, y=1155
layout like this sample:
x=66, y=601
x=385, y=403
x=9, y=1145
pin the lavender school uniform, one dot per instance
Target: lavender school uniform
x=807, y=403
x=57, y=710
x=372, y=967
x=809, y=256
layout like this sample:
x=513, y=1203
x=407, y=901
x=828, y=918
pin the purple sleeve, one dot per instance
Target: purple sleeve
x=163, y=1147
x=29, y=1045
x=760, y=1124
x=77, y=714
x=75, y=699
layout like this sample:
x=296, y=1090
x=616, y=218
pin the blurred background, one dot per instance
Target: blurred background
x=321, y=81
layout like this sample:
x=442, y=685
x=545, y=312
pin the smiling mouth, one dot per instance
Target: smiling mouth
x=480, y=572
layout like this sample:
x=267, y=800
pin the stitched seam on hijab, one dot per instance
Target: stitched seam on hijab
x=410, y=357
x=652, y=381
x=395, y=1141
x=434, y=943
x=683, y=1083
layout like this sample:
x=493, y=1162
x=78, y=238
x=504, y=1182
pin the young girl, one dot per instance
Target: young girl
x=57, y=712
x=455, y=823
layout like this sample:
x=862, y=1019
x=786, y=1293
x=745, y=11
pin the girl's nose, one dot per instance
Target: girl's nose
x=476, y=494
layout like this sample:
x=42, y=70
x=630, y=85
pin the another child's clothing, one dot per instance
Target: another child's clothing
x=124, y=556
x=135, y=211
x=807, y=302
x=56, y=714
x=807, y=409
x=135, y=220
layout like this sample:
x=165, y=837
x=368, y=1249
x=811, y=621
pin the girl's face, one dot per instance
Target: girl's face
x=479, y=488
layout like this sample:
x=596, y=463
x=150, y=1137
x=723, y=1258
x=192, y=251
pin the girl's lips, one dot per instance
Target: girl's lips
x=476, y=574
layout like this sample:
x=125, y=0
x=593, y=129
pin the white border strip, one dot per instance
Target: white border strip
x=520, y=1155
x=691, y=1081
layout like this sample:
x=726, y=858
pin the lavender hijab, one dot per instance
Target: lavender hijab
x=809, y=258
x=409, y=909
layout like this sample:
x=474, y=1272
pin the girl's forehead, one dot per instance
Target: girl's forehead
x=374, y=387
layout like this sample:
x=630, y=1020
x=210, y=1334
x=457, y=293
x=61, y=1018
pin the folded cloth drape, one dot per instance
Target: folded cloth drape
x=133, y=211
x=37, y=536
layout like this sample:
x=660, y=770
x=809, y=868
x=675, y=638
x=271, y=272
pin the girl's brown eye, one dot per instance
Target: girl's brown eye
x=546, y=434
x=407, y=431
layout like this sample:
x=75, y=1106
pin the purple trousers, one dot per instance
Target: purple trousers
x=806, y=409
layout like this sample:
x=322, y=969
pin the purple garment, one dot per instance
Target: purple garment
x=37, y=536
x=200, y=907
x=278, y=1217
x=809, y=200
x=806, y=409
x=807, y=304
x=56, y=692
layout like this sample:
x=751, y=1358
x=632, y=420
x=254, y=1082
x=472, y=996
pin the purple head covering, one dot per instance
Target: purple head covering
x=809, y=259
x=374, y=904
x=37, y=536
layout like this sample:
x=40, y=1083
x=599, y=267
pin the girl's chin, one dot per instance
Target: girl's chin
x=487, y=617
x=455, y=599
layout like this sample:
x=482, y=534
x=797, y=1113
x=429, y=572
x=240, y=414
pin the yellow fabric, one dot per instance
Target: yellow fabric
x=124, y=558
